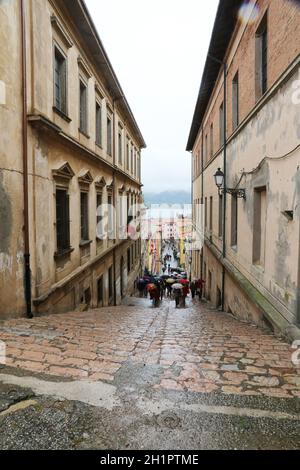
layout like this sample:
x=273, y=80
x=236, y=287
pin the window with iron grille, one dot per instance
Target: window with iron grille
x=84, y=216
x=98, y=124
x=62, y=221
x=60, y=81
x=83, y=107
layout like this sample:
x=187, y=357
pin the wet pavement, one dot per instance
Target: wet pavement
x=135, y=377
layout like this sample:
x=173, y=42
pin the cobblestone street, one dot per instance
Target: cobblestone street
x=198, y=350
x=216, y=364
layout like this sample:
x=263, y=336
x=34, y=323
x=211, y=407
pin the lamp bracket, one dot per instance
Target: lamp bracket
x=237, y=192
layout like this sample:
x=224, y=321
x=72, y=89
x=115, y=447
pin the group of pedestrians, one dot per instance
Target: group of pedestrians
x=175, y=288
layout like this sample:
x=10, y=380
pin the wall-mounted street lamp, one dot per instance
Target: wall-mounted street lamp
x=219, y=180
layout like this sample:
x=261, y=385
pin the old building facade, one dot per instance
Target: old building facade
x=70, y=164
x=247, y=124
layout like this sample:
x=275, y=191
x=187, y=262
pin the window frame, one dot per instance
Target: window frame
x=66, y=222
x=84, y=228
x=63, y=110
x=98, y=126
x=262, y=56
x=109, y=134
x=83, y=86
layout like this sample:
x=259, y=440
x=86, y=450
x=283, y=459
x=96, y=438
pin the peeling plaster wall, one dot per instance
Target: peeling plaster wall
x=60, y=283
x=263, y=150
x=271, y=135
x=11, y=182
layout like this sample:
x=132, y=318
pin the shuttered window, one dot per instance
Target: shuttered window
x=109, y=136
x=60, y=81
x=98, y=125
x=83, y=107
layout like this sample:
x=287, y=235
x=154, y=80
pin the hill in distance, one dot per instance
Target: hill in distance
x=167, y=197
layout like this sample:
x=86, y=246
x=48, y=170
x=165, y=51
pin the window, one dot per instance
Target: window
x=109, y=136
x=131, y=160
x=234, y=220
x=211, y=140
x=134, y=165
x=220, y=215
x=205, y=213
x=221, y=123
x=261, y=57
x=60, y=81
x=127, y=156
x=84, y=217
x=83, y=107
x=235, y=101
x=206, y=147
x=62, y=221
x=120, y=145
x=100, y=292
x=209, y=285
x=139, y=167
x=110, y=285
x=99, y=218
x=98, y=124
x=259, y=225
x=110, y=217
x=128, y=261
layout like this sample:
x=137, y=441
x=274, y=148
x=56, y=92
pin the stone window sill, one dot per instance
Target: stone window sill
x=63, y=253
x=85, y=243
x=62, y=114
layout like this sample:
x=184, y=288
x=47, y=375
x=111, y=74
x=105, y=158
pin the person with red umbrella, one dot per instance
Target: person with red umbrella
x=186, y=289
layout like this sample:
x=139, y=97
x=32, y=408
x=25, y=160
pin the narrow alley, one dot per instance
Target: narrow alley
x=137, y=377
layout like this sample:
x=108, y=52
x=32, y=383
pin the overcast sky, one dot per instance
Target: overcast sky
x=158, y=50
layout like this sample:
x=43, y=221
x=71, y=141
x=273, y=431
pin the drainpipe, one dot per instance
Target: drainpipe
x=225, y=183
x=114, y=201
x=202, y=198
x=224, y=66
x=192, y=201
x=28, y=298
x=298, y=290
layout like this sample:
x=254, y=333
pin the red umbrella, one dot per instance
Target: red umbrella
x=151, y=286
x=183, y=281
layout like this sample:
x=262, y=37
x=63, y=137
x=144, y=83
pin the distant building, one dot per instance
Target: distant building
x=69, y=144
x=251, y=257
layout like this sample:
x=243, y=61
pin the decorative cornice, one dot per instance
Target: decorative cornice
x=64, y=171
x=85, y=177
x=56, y=24
x=85, y=69
x=100, y=183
